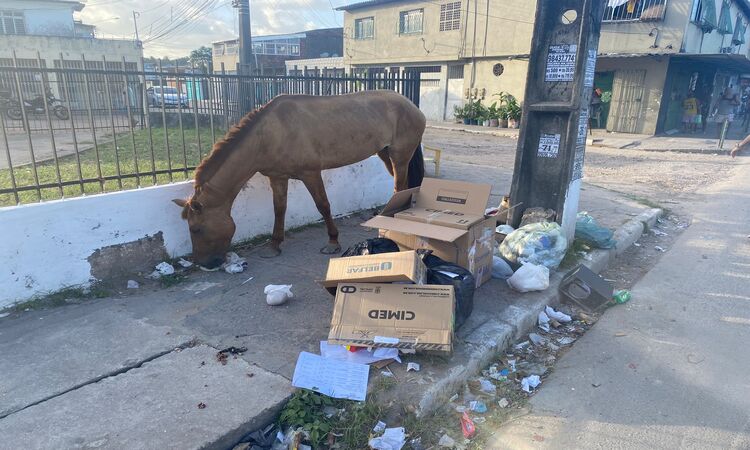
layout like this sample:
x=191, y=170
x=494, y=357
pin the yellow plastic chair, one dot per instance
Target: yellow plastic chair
x=435, y=159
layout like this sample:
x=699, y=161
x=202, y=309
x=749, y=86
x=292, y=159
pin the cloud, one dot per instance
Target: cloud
x=196, y=26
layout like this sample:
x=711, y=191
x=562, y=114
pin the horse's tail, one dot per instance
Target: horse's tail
x=416, y=168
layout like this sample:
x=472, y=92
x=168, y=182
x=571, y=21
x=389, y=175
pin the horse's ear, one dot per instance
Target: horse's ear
x=195, y=206
x=180, y=202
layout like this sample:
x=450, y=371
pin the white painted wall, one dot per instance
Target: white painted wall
x=432, y=94
x=44, y=247
x=44, y=17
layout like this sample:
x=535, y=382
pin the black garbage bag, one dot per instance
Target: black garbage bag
x=372, y=247
x=443, y=272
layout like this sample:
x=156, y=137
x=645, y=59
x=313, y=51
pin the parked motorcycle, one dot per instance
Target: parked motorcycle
x=36, y=106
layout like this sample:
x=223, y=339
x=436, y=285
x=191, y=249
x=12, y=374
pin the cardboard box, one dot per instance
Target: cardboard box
x=470, y=248
x=394, y=315
x=445, y=218
x=378, y=268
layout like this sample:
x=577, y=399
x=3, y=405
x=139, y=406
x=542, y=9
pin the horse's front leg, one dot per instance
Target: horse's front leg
x=279, y=187
x=314, y=183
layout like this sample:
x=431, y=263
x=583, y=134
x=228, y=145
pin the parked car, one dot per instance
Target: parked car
x=168, y=95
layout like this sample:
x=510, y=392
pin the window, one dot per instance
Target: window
x=294, y=49
x=12, y=22
x=627, y=10
x=450, y=16
x=364, y=28
x=410, y=22
x=232, y=48
x=695, y=15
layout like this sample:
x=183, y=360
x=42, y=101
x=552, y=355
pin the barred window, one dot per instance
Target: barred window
x=450, y=16
x=364, y=28
x=12, y=22
x=411, y=22
x=626, y=10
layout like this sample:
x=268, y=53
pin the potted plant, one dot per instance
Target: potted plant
x=483, y=117
x=473, y=112
x=494, y=114
x=459, y=112
x=513, y=112
x=503, y=108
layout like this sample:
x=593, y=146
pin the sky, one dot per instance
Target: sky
x=175, y=27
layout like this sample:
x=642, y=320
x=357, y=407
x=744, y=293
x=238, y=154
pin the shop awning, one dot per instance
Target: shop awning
x=726, y=61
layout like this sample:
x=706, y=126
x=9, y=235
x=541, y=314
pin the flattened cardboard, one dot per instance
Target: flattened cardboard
x=443, y=218
x=393, y=315
x=377, y=268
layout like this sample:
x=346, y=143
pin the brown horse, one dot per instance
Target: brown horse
x=298, y=136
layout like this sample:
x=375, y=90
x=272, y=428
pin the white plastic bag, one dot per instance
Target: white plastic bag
x=278, y=294
x=537, y=243
x=530, y=277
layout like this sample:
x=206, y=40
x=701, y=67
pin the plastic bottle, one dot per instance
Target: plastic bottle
x=621, y=296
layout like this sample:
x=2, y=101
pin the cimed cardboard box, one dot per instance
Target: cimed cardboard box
x=393, y=315
x=470, y=248
x=377, y=268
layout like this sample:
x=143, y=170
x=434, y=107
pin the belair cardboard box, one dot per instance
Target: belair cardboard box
x=377, y=268
x=469, y=248
x=393, y=315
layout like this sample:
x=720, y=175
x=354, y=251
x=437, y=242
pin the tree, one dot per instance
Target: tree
x=201, y=57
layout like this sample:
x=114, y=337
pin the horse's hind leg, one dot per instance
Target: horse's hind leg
x=279, y=187
x=383, y=154
x=314, y=183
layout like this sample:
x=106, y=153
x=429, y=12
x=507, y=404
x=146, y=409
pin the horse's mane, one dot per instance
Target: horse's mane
x=222, y=149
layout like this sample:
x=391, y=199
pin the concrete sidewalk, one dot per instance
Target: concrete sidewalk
x=602, y=138
x=134, y=370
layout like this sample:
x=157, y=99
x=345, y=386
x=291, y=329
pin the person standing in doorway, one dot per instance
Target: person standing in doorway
x=690, y=113
x=725, y=110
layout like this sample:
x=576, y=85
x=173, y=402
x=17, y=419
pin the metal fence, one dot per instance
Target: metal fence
x=84, y=127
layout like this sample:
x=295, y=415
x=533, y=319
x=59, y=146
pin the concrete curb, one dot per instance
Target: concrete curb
x=472, y=131
x=494, y=336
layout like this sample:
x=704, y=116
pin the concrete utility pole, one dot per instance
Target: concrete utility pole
x=560, y=80
x=135, y=24
x=246, y=90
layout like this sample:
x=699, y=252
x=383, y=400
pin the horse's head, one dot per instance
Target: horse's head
x=211, y=231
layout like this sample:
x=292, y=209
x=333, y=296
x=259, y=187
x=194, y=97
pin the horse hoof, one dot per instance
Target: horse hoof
x=269, y=252
x=330, y=249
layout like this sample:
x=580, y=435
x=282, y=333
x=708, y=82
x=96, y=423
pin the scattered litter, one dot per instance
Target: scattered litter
x=479, y=419
x=244, y=282
x=478, y=406
x=503, y=403
x=590, y=232
x=487, y=386
x=379, y=427
x=659, y=248
x=386, y=373
x=361, y=356
x=234, y=263
x=621, y=296
x=263, y=438
x=500, y=268
x=446, y=442
x=338, y=379
x=543, y=321
x=530, y=277
x=557, y=315
x=223, y=355
x=522, y=345
x=499, y=375
x=201, y=405
x=596, y=385
x=460, y=409
x=636, y=244
x=132, y=284
x=620, y=334
x=162, y=269
x=392, y=439
x=278, y=294
x=512, y=364
x=416, y=444
x=537, y=339
x=565, y=340
x=540, y=243
x=330, y=411
x=412, y=367
x=658, y=232
x=586, y=289
x=530, y=382
x=467, y=426
x=184, y=263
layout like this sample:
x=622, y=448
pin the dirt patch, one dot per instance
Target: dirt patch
x=117, y=262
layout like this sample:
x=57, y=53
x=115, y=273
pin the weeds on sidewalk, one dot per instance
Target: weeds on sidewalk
x=71, y=294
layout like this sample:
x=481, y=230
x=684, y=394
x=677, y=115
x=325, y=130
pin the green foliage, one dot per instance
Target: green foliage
x=509, y=105
x=459, y=112
x=305, y=409
x=201, y=57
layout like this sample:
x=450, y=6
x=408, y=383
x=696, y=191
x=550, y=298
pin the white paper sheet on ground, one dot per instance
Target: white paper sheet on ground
x=557, y=315
x=337, y=379
x=530, y=382
x=392, y=439
x=363, y=356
